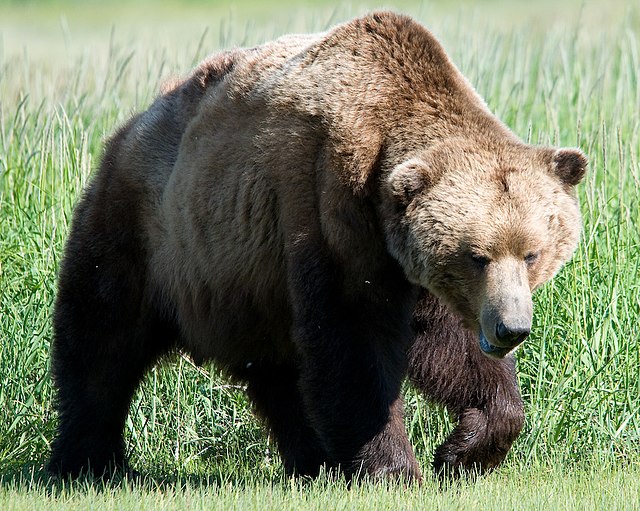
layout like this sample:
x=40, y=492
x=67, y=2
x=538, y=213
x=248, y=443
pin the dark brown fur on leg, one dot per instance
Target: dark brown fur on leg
x=352, y=364
x=399, y=461
x=98, y=360
x=446, y=363
x=107, y=331
x=274, y=391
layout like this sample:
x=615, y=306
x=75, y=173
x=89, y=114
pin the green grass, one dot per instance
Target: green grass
x=561, y=74
x=542, y=489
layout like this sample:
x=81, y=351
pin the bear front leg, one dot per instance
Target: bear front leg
x=352, y=351
x=273, y=389
x=446, y=363
x=357, y=412
x=389, y=453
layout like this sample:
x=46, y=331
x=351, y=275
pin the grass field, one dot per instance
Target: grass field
x=565, y=73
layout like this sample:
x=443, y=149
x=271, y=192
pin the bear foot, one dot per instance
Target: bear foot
x=75, y=462
x=479, y=443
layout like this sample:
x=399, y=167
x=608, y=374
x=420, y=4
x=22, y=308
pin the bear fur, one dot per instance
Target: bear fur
x=321, y=216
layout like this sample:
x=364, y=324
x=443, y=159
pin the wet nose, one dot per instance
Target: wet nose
x=511, y=336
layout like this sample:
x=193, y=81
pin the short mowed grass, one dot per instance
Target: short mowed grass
x=557, y=73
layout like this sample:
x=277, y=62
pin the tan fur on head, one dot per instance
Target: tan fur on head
x=485, y=226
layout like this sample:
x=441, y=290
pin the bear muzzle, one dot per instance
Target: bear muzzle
x=506, y=313
x=507, y=336
x=511, y=336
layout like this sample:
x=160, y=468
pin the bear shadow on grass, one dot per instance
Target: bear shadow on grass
x=35, y=477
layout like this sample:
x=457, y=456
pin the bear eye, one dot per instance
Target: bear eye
x=531, y=258
x=480, y=261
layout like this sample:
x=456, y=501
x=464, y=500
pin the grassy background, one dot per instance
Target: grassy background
x=558, y=73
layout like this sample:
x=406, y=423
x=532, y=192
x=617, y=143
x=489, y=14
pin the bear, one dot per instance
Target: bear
x=321, y=217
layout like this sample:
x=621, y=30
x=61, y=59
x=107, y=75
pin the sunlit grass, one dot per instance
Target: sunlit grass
x=541, y=488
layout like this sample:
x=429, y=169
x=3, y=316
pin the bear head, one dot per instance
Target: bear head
x=482, y=227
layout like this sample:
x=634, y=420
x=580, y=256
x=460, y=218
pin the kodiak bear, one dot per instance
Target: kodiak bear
x=321, y=216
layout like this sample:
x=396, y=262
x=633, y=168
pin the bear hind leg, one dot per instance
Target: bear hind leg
x=103, y=344
x=94, y=391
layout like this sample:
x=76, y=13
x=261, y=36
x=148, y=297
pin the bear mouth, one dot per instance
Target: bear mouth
x=491, y=350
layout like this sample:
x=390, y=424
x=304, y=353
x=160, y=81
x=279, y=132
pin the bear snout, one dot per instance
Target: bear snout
x=504, y=340
x=510, y=336
x=503, y=328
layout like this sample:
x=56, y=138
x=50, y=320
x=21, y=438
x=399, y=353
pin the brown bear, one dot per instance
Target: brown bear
x=320, y=216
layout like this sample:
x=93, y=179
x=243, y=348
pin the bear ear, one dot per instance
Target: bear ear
x=569, y=165
x=408, y=179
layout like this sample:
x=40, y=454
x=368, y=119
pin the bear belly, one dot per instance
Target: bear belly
x=220, y=270
x=234, y=326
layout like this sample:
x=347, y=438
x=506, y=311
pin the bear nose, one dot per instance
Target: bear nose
x=511, y=336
